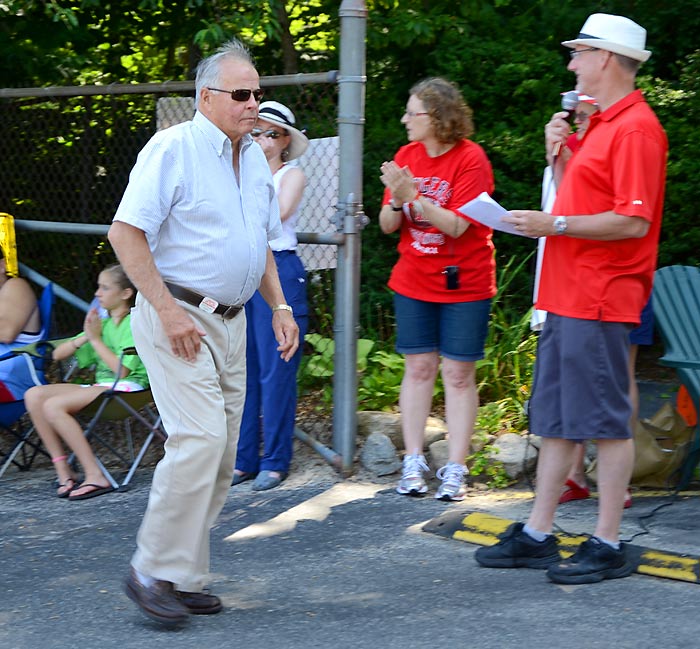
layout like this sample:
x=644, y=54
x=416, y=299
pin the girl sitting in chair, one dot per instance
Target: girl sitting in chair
x=52, y=406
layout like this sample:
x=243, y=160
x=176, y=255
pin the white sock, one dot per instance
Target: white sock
x=615, y=545
x=144, y=579
x=535, y=534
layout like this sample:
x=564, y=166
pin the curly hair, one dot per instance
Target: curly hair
x=449, y=114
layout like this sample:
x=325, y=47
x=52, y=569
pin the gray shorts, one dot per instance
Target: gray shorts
x=581, y=384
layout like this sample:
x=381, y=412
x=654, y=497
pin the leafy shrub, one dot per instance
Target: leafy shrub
x=505, y=373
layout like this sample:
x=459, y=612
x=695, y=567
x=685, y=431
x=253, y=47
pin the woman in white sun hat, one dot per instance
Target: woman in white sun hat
x=271, y=389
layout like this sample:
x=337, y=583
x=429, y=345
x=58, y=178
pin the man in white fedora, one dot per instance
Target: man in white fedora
x=597, y=274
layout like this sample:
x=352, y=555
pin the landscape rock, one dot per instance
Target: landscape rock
x=439, y=454
x=376, y=421
x=379, y=455
x=516, y=454
x=435, y=429
x=389, y=424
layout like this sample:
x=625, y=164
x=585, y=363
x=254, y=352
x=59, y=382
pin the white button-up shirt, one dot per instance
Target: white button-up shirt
x=205, y=231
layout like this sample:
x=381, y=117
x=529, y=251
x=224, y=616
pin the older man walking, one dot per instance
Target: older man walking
x=191, y=231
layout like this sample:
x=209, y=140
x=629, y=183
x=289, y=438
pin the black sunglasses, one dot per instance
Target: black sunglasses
x=242, y=94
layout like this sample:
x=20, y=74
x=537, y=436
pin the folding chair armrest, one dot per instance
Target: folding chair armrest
x=127, y=351
x=685, y=363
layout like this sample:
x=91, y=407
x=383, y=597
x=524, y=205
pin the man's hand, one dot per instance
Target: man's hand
x=286, y=334
x=182, y=331
x=556, y=132
x=531, y=223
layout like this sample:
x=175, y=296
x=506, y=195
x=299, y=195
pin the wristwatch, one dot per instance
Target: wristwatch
x=394, y=208
x=283, y=307
x=560, y=224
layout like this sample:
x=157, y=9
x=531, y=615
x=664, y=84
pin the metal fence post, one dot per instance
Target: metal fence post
x=351, y=80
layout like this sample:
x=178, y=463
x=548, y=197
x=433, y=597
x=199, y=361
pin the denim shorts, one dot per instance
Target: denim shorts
x=581, y=384
x=456, y=330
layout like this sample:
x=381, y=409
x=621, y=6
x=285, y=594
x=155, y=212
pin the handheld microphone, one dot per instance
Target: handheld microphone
x=569, y=102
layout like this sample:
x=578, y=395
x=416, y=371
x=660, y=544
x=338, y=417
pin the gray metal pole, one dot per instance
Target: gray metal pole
x=351, y=117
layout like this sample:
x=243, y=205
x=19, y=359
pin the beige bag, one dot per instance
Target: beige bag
x=660, y=446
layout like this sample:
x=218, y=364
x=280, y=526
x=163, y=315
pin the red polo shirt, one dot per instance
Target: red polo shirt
x=620, y=167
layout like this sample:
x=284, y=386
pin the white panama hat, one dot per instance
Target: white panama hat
x=614, y=34
x=276, y=113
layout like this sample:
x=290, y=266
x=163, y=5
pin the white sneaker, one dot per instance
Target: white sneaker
x=452, y=487
x=412, y=482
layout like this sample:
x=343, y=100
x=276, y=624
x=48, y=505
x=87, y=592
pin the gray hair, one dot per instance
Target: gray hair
x=208, y=69
x=627, y=63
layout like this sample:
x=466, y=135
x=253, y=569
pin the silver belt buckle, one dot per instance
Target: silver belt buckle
x=208, y=304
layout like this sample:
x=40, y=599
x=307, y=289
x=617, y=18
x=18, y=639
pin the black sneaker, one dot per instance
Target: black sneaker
x=592, y=562
x=516, y=549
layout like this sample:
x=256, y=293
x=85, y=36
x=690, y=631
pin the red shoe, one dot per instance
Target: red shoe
x=574, y=492
x=628, y=499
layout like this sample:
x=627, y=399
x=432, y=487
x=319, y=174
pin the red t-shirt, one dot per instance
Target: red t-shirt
x=620, y=167
x=449, y=180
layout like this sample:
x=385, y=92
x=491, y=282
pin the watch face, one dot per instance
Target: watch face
x=560, y=225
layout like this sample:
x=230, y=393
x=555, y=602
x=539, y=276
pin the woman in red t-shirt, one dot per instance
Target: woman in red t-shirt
x=444, y=278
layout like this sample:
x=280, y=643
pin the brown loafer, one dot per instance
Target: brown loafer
x=200, y=603
x=158, y=601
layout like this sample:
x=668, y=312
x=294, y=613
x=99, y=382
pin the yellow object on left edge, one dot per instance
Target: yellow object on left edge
x=9, y=246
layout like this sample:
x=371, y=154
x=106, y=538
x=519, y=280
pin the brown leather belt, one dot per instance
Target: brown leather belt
x=205, y=303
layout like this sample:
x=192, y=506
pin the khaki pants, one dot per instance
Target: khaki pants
x=201, y=404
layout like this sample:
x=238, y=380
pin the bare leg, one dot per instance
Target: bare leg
x=416, y=398
x=34, y=400
x=553, y=464
x=615, y=462
x=461, y=403
x=51, y=408
x=577, y=473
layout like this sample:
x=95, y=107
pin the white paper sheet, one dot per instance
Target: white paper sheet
x=488, y=212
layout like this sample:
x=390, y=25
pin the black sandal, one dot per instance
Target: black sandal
x=64, y=494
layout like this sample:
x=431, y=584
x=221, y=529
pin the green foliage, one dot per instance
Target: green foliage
x=380, y=384
x=494, y=418
x=480, y=463
x=379, y=373
x=506, y=370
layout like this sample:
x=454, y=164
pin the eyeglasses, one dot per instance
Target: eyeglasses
x=574, y=53
x=581, y=116
x=271, y=133
x=242, y=94
x=411, y=114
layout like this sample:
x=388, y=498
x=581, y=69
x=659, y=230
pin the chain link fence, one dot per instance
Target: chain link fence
x=67, y=158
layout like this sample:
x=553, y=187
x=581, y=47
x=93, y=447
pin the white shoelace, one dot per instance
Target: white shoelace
x=414, y=465
x=451, y=474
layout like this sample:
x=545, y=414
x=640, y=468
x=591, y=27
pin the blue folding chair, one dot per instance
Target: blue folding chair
x=22, y=450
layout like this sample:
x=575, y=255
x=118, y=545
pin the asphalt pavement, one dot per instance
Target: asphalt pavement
x=331, y=563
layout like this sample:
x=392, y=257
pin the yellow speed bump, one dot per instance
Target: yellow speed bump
x=484, y=529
